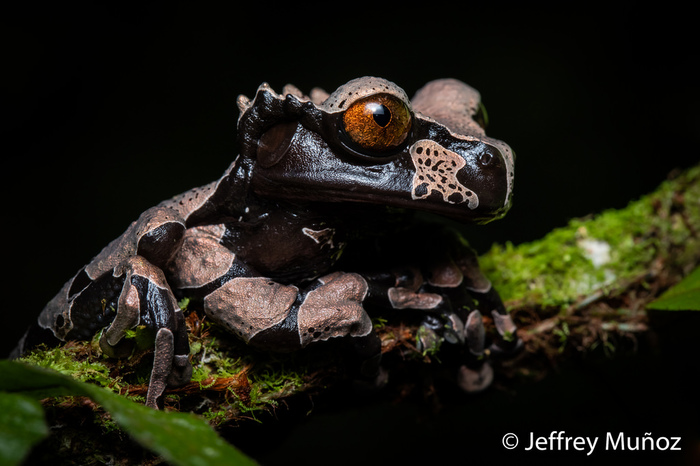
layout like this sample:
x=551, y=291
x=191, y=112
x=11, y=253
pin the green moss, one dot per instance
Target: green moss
x=143, y=337
x=215, y=417
x=560, y=268
x=71, y=360
x=274, y=382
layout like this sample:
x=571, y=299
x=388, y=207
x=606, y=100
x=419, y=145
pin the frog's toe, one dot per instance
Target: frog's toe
x=477, y=374
x=435, y=328
x=475, y=334
x=169, y=368
x=162, y=367
x=453, y=330
x=427, y=337
x=508, y=342
x=474, y=380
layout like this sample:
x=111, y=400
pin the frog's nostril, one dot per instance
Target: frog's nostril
x=485, y=159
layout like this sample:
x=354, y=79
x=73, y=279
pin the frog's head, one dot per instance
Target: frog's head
x=367, y=142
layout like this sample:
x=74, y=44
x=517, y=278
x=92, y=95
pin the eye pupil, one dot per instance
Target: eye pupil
x=380, y=113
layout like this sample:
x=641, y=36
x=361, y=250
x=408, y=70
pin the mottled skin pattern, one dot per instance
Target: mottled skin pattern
x=258, y=249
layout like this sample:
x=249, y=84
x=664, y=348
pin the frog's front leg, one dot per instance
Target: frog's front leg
x=146, y=299
x=121, y=288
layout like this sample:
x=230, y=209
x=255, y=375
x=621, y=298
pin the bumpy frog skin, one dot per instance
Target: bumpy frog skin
x=258, y=249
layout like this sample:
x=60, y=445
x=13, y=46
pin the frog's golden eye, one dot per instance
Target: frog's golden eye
x=377, y=123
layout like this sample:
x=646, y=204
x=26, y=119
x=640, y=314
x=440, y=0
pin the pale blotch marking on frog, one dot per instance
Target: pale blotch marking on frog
x=356, y=89
x=129, y=305
x=453, y=104
x=321, y=237
x=445, y=274
x=436, y=170
x=128, y=244
x=334, y=309
x=247, y=306
x=190, y=201
x=202, y=258
x=407, y=295
x=404, y=298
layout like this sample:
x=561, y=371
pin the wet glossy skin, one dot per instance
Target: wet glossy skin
x=258, y=249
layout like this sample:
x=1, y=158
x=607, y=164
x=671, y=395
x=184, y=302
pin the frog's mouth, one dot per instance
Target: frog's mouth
x=432, y=202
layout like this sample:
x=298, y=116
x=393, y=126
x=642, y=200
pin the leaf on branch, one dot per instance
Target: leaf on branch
x=685, y=296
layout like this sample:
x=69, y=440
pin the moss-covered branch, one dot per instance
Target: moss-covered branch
x=590, y=282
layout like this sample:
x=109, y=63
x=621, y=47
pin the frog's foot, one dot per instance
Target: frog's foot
x=436, y=328
x=169, y=369
x=428, y=337
x=146, y=300
x=162, y=361
x=473, y=380
x=477, y=373
x=508, y=342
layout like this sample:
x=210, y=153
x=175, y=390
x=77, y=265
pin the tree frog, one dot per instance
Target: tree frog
x=259, y=250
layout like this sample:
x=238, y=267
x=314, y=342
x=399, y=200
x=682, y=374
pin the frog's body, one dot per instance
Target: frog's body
x=258, y=247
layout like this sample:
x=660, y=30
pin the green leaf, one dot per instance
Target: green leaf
x=180, y=438
x=685, y=296
x=21, y=426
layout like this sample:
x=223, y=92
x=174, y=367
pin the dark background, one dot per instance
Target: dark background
x=110, y=110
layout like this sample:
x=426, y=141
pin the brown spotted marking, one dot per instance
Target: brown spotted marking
x=202, y=258
x=323, y=237
x=403, y=298
x=334, y=309
x=445, y=274
x=247, y=306
x=436, y=170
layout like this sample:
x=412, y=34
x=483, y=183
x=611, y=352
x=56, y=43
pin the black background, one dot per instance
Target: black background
x=110, y=110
